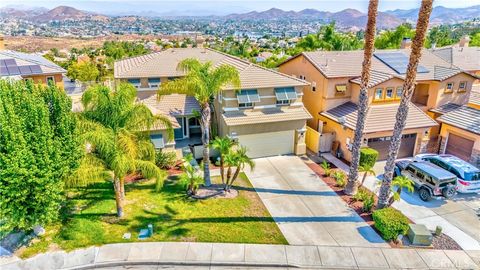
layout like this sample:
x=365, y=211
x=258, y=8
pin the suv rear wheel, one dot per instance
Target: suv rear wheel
x=448, y=192
x=424, y=194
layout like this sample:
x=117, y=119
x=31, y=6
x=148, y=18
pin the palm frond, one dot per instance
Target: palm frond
x=150, y=171
x=127, y=143
x=91, y=170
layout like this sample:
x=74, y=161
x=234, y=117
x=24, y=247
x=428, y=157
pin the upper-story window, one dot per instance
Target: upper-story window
x=247, y=98
x=153, y=82
x=285, y=95
x=50, y=79
x=378, y=94
x=135, y=82
x=462, y=87
x=399, y=92
x=449, y=87
x=340, y=89
x=389, y=93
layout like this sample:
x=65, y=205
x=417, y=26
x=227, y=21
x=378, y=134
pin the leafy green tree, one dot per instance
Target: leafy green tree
x=475, y=40
x=85, y=72
x=115, y=133
x=392, y=39
x=203, y=82
x=38, y=151
x=330, y=40
x=440, y=36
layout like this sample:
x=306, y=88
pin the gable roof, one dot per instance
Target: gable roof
x=267, y=115
x=165, y=63
x=376, y=78
x=27, y=59
x=446, y=108
x=349, y=64
x=475, y=96
x=466, y=58
x=466, y=118
x=379, y=117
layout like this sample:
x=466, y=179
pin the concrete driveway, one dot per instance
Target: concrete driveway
x=457, y=217
x=307, y=211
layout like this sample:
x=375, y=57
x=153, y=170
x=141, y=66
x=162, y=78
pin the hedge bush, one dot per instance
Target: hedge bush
x=368, y=156
x=390, y=223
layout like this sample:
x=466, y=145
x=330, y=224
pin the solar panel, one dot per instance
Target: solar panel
x=3, y=71
x=398, y=61
x=2, y=63
x=35, y=69
x=13, y=70
x=10, y=62
x=25, y=70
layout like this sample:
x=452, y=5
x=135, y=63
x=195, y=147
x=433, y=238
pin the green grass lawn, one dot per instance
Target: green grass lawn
x=91, y=218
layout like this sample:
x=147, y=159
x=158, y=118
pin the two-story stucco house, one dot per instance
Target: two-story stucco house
x=332, y=97
x=266, y=114
x=30, y=67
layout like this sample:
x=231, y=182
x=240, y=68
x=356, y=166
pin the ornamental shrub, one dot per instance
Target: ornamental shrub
x=390, y=223
x=368, y=157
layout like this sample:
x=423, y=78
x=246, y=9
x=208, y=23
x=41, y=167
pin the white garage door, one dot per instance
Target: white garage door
x=268, y=144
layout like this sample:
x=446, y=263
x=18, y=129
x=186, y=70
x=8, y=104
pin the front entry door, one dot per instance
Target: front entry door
x=181, y=132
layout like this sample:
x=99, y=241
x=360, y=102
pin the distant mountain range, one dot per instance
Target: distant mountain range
x=346, y=18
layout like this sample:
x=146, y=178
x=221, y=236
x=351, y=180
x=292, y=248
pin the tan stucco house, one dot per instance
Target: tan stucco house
x=266, y=114
x=28, y=66
x=332, y=97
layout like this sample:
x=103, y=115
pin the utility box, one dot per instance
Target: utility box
x=419, y=235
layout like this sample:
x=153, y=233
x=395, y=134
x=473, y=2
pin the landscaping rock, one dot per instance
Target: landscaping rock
x=214, y=191
x=38, y=230
x=419, y=235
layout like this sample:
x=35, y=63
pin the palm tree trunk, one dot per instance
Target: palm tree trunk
x=118, y=197
x=235, y=176
x=122, y=188
x=222, y=169
x=352, y=185
x=205, y=124
x=408, y=88
x=229, y=176
x=364, y=178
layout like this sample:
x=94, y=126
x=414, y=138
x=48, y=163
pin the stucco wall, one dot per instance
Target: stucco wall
x=42, y=79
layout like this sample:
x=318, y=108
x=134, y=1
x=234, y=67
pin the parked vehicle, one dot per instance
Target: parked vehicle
x=430, y=180
x=468, y=175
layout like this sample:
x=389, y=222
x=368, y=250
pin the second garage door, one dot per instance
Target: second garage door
x=382, y=144
x=459, y=147
x=268, y=144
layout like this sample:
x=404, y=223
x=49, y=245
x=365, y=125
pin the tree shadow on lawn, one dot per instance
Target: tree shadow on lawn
x=290, y=192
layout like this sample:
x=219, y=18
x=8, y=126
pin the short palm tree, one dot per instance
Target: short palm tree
x=237, y=159
x=400, y=182
x=408, y=88
x=190, y=178
x=115, y=131
x=203, y=82
x=224, y=146
x=366, y=169
x=352, y=182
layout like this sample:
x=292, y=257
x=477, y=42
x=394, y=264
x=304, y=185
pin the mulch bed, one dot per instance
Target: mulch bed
x=442, y=241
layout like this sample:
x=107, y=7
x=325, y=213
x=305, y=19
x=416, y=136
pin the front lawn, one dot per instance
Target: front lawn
x=91, y=218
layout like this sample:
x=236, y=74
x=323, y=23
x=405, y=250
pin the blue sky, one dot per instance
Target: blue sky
x=222, y=7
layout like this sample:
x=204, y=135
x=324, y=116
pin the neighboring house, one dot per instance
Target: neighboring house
x=460, y=133
x=30, y=67
x=335, y=87
x=461, y=56
x=266, y=115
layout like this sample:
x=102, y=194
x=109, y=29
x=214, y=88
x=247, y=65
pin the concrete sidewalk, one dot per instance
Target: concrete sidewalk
x=458, y=219
x=225, y=256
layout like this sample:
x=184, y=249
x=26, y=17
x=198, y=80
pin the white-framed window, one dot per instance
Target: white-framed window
x=378, y=94
x=449, y=87
x=283, y=102
x=135, y=82
x=50, y=79
x=462, y=86
x=245, y=105
x=154, y=82
x=389, y=93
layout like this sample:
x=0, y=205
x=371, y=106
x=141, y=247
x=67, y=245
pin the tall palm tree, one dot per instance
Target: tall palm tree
x=115, y=131
x=352, y=183
x=224, y=146
x=203, y=82
x=408, y=88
